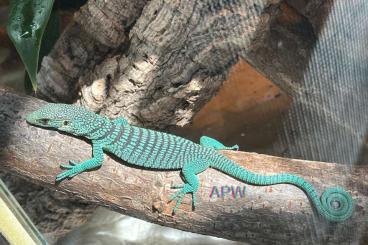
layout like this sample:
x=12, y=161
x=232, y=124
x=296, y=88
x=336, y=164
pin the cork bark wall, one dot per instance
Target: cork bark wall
x=159, y=62
x=177, y=57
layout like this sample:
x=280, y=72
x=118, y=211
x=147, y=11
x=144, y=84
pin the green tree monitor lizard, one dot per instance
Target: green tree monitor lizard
x=157, y=150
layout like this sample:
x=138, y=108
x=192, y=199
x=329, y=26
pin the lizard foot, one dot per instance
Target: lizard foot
x=74, y=169
x=179, y=195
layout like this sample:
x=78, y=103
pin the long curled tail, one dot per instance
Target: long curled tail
x=335, y=204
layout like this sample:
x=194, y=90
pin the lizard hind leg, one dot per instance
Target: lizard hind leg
x=189, y=171
x=212, y=143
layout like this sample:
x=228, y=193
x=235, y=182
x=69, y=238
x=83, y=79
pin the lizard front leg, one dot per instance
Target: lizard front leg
x=75, y=168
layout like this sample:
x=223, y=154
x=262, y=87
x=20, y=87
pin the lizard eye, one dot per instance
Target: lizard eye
x=66, y=123
x=44, y=121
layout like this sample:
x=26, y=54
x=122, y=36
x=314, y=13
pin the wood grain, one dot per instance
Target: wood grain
x=265, y=215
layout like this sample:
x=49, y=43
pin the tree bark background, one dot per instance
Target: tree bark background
x=158, y=62
x=177, y=57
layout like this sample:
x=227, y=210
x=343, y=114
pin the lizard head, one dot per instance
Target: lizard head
x=64, y=117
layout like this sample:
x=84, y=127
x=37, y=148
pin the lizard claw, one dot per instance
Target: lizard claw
x=63, y=175
x=72, y=162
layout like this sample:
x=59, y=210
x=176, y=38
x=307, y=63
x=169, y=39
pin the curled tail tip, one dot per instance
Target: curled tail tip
x=337, y=204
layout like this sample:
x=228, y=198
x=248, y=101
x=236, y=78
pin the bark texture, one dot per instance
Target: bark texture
x=98, y=31
x=177, y=56
x=266, y=215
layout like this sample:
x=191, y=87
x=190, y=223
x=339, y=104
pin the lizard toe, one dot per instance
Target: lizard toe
x=179, y=195
x=176, y=186
x=175, y=195
x=63, y=175
x=194, y=200
x=71, y=164
x=73, y=170
x=180, y=199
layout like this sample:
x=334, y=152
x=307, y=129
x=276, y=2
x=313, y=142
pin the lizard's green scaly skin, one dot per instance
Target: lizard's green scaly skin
x=157, y=150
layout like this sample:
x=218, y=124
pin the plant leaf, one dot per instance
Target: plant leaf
x=49, y=38
x=26, y=25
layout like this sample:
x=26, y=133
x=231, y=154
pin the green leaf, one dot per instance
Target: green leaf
x=26, y=25
x=50, y=36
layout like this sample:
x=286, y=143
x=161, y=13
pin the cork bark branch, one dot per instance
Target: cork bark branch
x=265, y=215
x=162, y=67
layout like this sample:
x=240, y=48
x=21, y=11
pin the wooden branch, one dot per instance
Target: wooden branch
x=265, y=215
